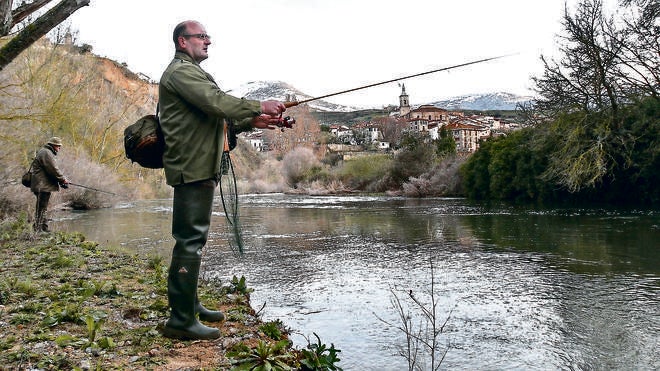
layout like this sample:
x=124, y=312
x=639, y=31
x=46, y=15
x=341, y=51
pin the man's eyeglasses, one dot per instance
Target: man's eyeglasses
x=201, y=36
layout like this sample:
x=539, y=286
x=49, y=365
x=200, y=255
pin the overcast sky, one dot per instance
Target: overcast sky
x=324, y=46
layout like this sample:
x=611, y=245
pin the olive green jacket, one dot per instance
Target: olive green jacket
x=46, y=176
x=192, y=113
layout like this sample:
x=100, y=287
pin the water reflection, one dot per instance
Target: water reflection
x=529, y=289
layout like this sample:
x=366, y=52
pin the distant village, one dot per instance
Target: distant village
x=426, y=120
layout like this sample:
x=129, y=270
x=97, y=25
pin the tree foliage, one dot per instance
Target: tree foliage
x=445, y=145
x=595, y=133
x=516, y=167
x=607, y=61
x=414, y=157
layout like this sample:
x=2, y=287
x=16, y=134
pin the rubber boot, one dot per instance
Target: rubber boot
x=191, y=219
x=208, y=315
x=181, y=293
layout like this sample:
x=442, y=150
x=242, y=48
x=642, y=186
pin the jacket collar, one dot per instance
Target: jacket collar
x=184, y=57
x=50, y=148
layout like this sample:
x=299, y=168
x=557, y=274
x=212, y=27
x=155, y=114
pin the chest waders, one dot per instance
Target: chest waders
x=191, y=219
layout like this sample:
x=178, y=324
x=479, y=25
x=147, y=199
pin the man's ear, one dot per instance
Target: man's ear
x=181, y=41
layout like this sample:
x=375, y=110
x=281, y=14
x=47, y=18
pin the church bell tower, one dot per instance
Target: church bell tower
x=404, y=103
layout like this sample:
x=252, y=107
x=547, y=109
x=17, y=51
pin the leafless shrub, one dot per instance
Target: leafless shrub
x=267, y=178
x=442, y=180
x=322, y=188
x=92, y=184
x=14, y=199
x=297, y=164
x=422, y=348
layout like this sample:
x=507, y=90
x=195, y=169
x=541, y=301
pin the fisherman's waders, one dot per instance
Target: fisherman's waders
x=190, y=227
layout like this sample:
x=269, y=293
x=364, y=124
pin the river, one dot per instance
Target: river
x=518, y=288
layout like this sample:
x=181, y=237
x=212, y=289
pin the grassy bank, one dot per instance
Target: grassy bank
x=68, y=303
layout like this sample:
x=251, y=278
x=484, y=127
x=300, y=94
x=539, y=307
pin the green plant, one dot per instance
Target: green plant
x=70, y=312
x=7, y=343
x=272, y=329
x=159, y=277
x=319, y=357
x=106, y=343
x=159, y=305
x=263, y=357
x=64, y=238
x=5, y=292
x=89, y=246
x=239, y=313
x=15, y=228
x=360, y=172
x=65, y=340
x=57, y=362
x=238, y=286
x=94, y=323
x=22, y=318
x=26, y=287
x=31, y=307
x=62, y=260
x=155, y=262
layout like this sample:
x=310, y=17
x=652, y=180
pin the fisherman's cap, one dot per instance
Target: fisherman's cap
x=56, y=141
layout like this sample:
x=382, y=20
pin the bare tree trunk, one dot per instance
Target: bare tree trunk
x=38, y=28
x=5, y=17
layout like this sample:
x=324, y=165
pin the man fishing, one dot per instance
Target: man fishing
x=46, y=178
x=193, y=110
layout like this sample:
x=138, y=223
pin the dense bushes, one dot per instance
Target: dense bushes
x=523, y=166
x=507, y=168
x=365, y=172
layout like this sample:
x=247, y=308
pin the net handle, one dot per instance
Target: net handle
x=226, y=141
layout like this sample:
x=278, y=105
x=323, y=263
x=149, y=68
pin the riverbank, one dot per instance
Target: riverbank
x=69, y=303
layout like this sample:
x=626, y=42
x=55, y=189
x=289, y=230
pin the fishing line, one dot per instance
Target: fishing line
x=293, y=104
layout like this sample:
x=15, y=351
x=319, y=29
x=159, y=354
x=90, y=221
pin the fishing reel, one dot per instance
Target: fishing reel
x=285, y=122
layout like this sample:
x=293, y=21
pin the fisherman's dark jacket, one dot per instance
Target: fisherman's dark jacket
x=46, y=176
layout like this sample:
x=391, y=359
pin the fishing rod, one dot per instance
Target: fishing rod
x=92, y=189
x=293, y=104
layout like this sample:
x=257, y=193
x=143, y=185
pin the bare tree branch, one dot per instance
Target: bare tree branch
x=24, y=10
x=37, y=29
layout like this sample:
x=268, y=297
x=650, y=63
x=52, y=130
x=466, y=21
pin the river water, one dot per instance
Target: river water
x=518, y=288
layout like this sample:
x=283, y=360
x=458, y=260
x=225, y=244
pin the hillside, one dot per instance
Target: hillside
x=62, y=90
x=278, y=90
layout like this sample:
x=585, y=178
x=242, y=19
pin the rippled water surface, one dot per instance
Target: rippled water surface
x=518, y=288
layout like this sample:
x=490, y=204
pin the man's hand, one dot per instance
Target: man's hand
x=265, y=122
x=272, y=107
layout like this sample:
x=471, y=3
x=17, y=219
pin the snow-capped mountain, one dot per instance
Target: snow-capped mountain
x=264, y=90
x=484, y=102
